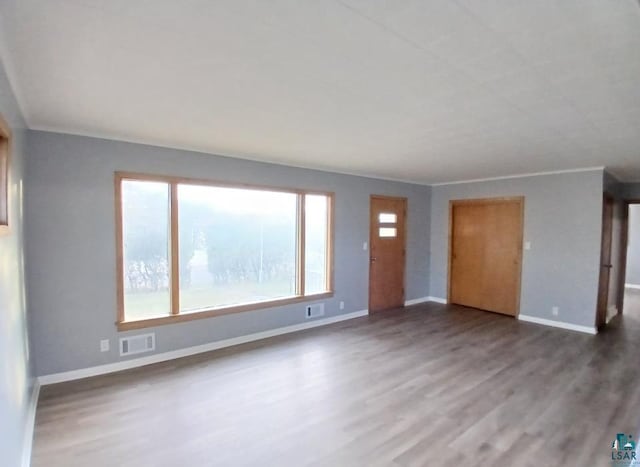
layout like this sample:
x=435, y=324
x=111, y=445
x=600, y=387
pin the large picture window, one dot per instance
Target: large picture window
x=190, y=248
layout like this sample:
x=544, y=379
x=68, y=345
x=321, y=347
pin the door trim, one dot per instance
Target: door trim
x=602, y=301
x=496, y=200
x=404, y=242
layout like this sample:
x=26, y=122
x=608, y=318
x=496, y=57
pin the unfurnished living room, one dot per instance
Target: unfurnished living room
x=319, y=233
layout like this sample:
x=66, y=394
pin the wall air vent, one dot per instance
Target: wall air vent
x=137, y=344
x=313, y=311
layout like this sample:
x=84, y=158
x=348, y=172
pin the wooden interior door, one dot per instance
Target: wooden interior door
x=485, y=253
x=605, y=259
x=387, y=252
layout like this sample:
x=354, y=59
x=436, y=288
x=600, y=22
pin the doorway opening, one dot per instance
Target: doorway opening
x=630, y=278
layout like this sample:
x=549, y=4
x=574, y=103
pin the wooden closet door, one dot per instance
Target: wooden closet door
x=486, y=254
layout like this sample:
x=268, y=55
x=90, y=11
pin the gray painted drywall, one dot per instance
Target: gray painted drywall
x=562, y=221
x=633, y=246
x=71, y=247
x=16, y=381
x=631, y=191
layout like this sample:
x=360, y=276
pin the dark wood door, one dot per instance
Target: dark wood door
x=486, y=254
x=605, y=259
x=387, y=252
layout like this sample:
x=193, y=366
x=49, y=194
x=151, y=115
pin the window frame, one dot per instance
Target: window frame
x=174, y=259
x=5, y=175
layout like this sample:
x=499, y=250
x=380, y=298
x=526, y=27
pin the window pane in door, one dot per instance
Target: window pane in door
x=387, y=232
x=387, y=218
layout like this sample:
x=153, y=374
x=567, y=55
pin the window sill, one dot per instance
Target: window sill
x=193, y=315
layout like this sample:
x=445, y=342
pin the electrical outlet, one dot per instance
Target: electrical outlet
x=527, y=245
x=342, y=305
x=104, y=345
x=364, y=246
x=555, y=310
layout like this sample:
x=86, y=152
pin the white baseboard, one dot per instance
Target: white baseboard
x=165, y=356
x=632, y=286
x=558, y=324
x=416, y=301
x=27, y=444
x=437, y=300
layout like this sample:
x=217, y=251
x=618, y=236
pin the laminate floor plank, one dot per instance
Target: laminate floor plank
x=429, y=385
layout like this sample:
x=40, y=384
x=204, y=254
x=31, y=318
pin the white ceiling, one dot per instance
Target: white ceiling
x=420, y=90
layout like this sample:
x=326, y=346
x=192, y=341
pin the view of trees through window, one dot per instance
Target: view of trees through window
x=145, y=226
x=235, y=246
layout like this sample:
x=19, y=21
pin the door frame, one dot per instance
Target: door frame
x=372, y=230
x=496, y=200
x=624, y=243
x=602, y=300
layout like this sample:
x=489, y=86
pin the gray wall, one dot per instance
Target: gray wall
x=631, y=190
x=71, y=246
x=562, y=221
x=633, y=246
x=15, y=372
